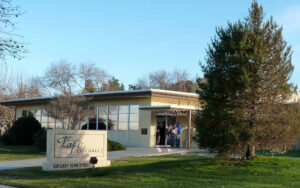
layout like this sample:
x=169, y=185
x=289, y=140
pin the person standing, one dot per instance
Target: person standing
x=173, y=134
x=178, y=135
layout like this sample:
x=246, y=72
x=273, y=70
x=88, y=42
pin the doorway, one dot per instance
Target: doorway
x=163, y=124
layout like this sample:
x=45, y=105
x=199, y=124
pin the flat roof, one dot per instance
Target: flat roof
x=107, y=95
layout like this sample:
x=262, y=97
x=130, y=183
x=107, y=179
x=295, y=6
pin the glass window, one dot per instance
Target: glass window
x=51, y=119
x=58, y=124
x=123, y=109
x=83, y=123
x=134, y=117
x=112, y=117
x=123, y=125
x=84, y=120
x=51, y=125
x=92, y=117
x=44, y=116
x=24, y=113
x=31, y=113
x=123, y=117
x=134, y=109
x=112, y=109
x=37, y=115
x=102, y=110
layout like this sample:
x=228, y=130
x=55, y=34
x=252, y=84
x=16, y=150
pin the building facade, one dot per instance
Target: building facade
x=138, y=118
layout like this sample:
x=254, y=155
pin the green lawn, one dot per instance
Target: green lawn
x=8, y=153
x=290, y=153
x=188, y=170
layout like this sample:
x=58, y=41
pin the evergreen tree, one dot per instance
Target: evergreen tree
x=89, y=87
x=113, y=85
x=246, y=86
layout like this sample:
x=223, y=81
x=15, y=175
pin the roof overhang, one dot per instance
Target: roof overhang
x=108, y=95
x=170, y=110
x=168, y=107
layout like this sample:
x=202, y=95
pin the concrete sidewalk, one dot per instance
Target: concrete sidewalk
x=129, y=152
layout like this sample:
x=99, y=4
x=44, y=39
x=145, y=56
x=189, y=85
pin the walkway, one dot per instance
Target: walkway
x=129, y=152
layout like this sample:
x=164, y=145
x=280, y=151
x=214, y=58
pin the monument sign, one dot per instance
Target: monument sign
x=73, y=149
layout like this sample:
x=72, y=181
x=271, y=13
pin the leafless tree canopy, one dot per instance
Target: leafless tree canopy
x=15, y=86
x=69, y=108
x=66, y=78
x=177, y=80
x=91, y=77
x=9, y=46
x=60, y=76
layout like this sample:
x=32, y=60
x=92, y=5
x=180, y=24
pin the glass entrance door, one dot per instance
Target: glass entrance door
x=163, y=124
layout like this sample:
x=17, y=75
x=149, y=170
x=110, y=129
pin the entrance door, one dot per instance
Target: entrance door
x=163, y=124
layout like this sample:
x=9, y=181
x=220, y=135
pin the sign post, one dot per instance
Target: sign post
x=73, y=149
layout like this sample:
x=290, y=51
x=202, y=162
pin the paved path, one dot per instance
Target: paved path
x=129, y=152
x=6, y=186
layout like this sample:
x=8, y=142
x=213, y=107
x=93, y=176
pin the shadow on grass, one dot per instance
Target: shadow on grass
x=9, y=149
x=128, y=167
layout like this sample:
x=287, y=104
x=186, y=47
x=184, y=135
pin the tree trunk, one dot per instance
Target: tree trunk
x=250, y=154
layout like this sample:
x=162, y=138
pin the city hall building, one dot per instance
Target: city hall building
x=138, y=118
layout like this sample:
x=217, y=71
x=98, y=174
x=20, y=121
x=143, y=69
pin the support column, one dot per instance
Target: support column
x=88, y=119
x=79, y=122
x=189, y=129
x=117, y=123
x=97, y=118
x=128, y=125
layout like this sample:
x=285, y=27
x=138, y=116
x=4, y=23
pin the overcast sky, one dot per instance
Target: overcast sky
x=131, y=38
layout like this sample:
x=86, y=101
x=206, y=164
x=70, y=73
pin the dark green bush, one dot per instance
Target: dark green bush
x=23, y=130
x=114, y=146
x=4, y=139
x=40, y=139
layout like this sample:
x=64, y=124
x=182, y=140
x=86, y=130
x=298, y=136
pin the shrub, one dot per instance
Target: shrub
x=4, y=139
x=114, y=146
x=40, y=139
x=23, y=130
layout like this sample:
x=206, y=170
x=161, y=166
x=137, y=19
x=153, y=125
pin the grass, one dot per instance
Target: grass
x=188, y=170
x=8, y=153
x=290, y=153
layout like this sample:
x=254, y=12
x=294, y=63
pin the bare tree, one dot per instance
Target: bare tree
x=6, y=83
x=179, y=75
x=91, y=77
x=61, y=77
x=178, y=80
x=35, y=87
x=160, y=79
x=9, y=46
x=69, y=108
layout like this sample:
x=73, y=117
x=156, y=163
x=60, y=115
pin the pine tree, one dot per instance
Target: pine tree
x=89, y=87
x=113, y=85
x=247, y=74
